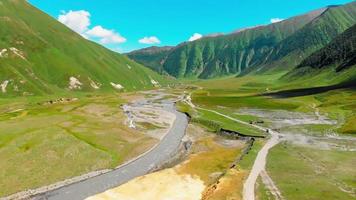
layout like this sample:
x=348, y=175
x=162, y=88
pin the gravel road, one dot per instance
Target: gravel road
x=258, y=167
x=139, y=167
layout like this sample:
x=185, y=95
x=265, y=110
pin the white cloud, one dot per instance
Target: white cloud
x=78, y=21
x=105, y=36
x=275, y=20
x=195, y=36
x=149, y=40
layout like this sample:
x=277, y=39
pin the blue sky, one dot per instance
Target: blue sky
x=120, y=24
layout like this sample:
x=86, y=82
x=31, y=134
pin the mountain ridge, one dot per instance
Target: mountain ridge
x=263, y=49
x=144, y=56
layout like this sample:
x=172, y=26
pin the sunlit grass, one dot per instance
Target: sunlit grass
x=309, y=173
x=76, y=137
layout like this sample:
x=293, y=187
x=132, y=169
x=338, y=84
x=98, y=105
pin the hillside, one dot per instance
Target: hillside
x=152, y=57
x=231, y=54
x=279, y=46
x=314, y=35
x=39, y=55
x=341, y=51
x=336, y=59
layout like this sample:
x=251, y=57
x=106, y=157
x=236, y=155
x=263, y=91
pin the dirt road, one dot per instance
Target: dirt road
x=260, y=162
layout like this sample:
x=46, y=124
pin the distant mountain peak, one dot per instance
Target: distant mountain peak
x=332, y=6
x=213, y=35
x=245, y=29
x=152, y=49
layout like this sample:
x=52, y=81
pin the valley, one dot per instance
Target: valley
x=266, y=112
x=300, y=123
x=299, y=133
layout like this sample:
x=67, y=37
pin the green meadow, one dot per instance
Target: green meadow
x=41, y=144
x=299, y=172
x=228, y=95
x=307, y=173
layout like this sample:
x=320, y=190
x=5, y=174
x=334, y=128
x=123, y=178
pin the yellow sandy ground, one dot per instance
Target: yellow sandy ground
x=163, y=185
x=192, y=179
x=227, y=188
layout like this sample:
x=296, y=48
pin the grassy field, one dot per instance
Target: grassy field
x=299, y=172
x=77, y=137
x=309, y=173
x=244, y=92
x=89, y=134
x=228, y=95
x=214, y=122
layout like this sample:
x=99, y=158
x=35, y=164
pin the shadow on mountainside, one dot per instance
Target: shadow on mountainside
x=312, y=91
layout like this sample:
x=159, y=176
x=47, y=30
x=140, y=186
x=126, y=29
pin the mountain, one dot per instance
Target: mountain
x=231, y=54
x=39, y=55
x=337, y=60
x=314, y=35
x=152, y=57
x=341, y=51
x=262, y=49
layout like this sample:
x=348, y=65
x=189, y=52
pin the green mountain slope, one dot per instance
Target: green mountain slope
x=231, y=54
x=341, y=51
x=152, y=57
x=279, y=46
x=313, y=36
x=40, y=56
x=336, y=61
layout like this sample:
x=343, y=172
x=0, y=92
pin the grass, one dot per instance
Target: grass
x=308, y=173
x=85, y=135
x=244, y=92
x=215, y=159
x=340, y=105
x=249, y=159
x=262, y=192
x=54, y=53
x=294, y=175
x=76, y=137
x=209, y=160
x=214, y=122
x=243, y=101
x=229, y=124
x=228, y=95
x=148, y=126
x=349, y=126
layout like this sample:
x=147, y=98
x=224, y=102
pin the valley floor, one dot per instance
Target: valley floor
x=311, y=138
x=205, y=173
x=316, y=138
x=78, y=135
x=303, y=145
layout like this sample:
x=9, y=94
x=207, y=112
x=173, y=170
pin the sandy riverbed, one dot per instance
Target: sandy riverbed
x=163, y=185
